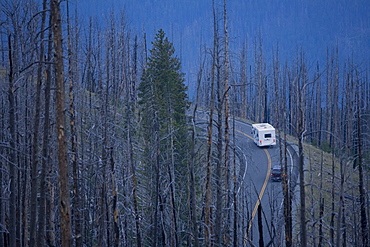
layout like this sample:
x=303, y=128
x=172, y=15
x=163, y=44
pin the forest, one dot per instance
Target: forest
x=100, y=144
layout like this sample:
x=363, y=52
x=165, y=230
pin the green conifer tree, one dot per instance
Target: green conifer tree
x=162, y=84
x=163, y=104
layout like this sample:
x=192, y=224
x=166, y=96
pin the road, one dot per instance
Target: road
x=255, y=186
x=260, y=190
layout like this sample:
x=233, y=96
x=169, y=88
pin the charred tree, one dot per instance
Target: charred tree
x=64, y=202
x=42, y=233
x=12, y=152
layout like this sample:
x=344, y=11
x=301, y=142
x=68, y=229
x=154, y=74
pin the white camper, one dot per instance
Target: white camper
x=263, y=134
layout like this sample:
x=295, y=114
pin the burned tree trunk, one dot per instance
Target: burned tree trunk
x=65, y=210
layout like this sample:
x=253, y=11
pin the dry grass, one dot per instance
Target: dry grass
x=323, y=173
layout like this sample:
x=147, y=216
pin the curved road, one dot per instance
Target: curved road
x=257, y=182
x=256, y=187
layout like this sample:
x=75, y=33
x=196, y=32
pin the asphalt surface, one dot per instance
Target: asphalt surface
x=260, y=189
x=256, y=188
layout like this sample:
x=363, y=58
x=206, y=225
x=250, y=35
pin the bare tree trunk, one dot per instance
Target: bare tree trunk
x=333, y=201
x=134, y=186
x=302, y=193
x=102, y=220
x=131, y=100
x=243, y=81
x=287, y=189
x=105, y=97
x=65, y=210
x=72, y=64
x=193, y=212
x=218, y=173
x=260, y=81
x=171, y=174
x=50, y=238
x=2, y=204
x=340, y=207
x=35, y=144
x=235, y=200
x=116, y=230
x=219, y=160
x=318, y=111
x=191, y=163
x=287, y=198
x=158, y=237
x=45, y=148
x=260, y=226
x=208, y=224
x=321, y=202
x=301, y=85
x=363, y=219
x=12, y=159
x=48, y=181
x=226, y=235
x=329, y=106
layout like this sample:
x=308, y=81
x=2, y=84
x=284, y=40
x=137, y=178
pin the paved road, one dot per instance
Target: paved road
x=260, y=190
x=256, y=188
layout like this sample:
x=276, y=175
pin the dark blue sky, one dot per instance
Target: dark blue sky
x=314, y=25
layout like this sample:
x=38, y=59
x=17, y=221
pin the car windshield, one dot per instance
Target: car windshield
x=276, y=170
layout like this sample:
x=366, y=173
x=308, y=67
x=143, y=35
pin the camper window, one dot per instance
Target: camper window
x=268, y=135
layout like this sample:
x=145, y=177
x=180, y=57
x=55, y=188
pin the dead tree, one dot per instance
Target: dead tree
x=65, y=210
x=45, y=152
x=360, y=158
x=12, y=156
x=208, y=224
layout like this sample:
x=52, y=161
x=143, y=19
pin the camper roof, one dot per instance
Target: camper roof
x=262, y=126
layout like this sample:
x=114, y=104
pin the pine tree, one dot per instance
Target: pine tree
x=164, y=81
x=163, y=103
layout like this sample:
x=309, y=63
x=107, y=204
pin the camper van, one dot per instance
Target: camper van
x=263, y=134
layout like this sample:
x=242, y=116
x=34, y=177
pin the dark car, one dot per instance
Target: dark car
x=276, y=174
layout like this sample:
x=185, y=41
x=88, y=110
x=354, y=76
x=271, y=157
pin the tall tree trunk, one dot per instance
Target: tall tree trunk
x=134, y=186
x=65, y=210
x=35, y=144
x=226, y=127
x=219, y=160
x=235, y=189
x=363, y=217
x=193, y=212
x=72, y=65
x=260, y=81
x=157, y=207
x=171, y=174
x=301, y=85
x=260, y=226
x=302, y=193
x=191, y=163
x=50, y=206
x=116, y=230
x=321, y=203
x=131, y=103
x=318, y=111
x=2, y=204
x=333, y=200
x=243, y=82
x=218, y=173
x=46, y=211
x=45, y=147
x=104, y=101
x=340, y=207
x=287, y=198
x=12, y=159
x=208, y=224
